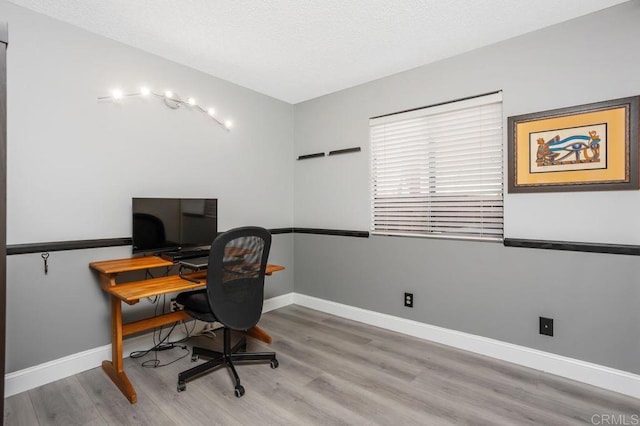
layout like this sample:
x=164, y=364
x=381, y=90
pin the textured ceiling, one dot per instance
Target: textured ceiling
x=296, y=50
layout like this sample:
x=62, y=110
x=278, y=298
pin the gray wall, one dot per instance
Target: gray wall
x=484, y=288
x=74, y=164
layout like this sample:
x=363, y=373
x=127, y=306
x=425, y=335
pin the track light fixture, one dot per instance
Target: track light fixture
x=170, y=99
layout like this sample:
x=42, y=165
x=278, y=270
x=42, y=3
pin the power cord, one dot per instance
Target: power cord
x=163, y=343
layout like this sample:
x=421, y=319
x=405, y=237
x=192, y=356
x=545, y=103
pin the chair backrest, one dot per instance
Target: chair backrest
x=148, y=232
x=235, y=278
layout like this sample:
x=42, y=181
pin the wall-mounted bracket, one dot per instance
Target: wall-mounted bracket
x=345, y=151
x=308, y=156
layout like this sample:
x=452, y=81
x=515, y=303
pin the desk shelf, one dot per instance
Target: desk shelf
x=132, y=292
x=129, y=264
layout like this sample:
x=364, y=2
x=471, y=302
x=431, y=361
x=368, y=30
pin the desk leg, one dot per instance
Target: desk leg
x=258, y=333
x=115, y=368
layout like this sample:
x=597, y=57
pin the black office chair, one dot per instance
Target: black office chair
x=233, y=297
x=148, y=232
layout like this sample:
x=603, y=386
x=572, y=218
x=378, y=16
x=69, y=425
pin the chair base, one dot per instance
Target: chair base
x=226, y=358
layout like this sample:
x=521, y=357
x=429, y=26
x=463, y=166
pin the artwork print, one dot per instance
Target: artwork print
x=592, y=147
x=579, y=148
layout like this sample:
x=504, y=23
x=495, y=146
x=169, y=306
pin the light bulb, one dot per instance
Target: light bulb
x=116, y=94
x=168, y=94
x=144, y=91
x=191, y=101
x=211, y=111
x=228, y=124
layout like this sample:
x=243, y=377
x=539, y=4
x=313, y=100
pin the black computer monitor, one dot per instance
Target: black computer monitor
x=168, y=224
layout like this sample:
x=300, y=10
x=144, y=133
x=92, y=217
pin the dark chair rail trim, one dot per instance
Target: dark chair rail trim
x=573, y=246
x=508, y=242
x=339, y=232
x=67, y=245
x=114, y=242
x=276, y=231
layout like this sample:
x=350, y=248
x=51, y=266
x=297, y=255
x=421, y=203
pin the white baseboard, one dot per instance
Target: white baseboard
x=278, y=302
x=593, y=374
x=582, y=371
x=32, y=377
x=38, y=375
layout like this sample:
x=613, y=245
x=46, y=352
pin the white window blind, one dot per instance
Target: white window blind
x=437, y=171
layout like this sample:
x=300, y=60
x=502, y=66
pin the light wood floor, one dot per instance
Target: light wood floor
x=332, y=371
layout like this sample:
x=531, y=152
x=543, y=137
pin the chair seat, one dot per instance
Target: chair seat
x=196, y=304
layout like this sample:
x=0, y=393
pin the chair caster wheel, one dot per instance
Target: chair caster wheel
x=239, y=391
x=274, y=363
x=182, y=386
x=194, y=358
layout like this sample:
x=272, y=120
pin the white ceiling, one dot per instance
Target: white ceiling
x=296, y=50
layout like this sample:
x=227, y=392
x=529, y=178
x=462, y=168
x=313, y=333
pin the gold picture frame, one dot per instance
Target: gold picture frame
x=591, y=147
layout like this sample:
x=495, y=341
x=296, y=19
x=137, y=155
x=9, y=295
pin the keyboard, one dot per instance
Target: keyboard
x=195, y=263
x=184, y=254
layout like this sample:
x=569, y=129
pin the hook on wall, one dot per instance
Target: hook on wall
x=45, y=258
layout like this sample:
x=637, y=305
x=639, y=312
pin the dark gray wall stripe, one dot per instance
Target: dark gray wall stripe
x=276, y=231
x=114, y=242
x=67, y=245
x=573, y=246
x=340, y=232
x=509, y=242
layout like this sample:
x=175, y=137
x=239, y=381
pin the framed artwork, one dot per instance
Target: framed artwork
x=591, y=147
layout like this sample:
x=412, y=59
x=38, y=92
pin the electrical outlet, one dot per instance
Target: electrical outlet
x=546, y=326
x=408, y=300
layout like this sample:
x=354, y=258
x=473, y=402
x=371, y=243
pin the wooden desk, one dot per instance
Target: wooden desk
x=131, y=293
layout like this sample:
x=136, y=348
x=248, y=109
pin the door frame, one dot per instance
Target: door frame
x=4, y=41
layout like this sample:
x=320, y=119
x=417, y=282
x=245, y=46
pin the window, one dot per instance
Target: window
x=437, y=171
